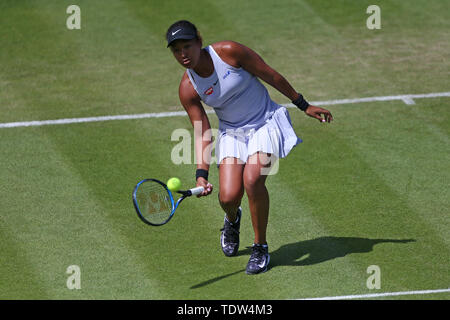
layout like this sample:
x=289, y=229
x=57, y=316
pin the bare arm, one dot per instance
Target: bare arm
x=202, y=128
x=246, y=58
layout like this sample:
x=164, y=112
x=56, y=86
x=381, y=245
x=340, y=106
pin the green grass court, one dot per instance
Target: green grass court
x=372, y=188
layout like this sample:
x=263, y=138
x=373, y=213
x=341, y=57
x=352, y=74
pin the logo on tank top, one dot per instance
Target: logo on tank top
x=209, y=91
x=226, y=74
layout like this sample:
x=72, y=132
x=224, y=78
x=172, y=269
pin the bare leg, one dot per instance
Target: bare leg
x=258, y=197
x=231, y=189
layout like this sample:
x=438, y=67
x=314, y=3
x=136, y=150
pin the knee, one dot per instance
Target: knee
x=230, y=197
x=254, y=183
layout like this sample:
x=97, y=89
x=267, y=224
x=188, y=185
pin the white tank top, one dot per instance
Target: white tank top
x=239, y=99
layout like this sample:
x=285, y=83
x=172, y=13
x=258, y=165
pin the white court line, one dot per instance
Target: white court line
x=378, y=295
x=408, y=99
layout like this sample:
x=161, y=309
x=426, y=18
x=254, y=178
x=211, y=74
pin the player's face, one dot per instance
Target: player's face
x=187, y=52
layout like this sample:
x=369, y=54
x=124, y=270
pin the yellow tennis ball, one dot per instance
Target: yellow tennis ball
x=174, y=184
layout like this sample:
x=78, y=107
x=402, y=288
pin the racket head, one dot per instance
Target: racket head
x=153, y=201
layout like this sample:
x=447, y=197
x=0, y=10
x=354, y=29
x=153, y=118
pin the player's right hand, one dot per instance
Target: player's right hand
x=202, y=182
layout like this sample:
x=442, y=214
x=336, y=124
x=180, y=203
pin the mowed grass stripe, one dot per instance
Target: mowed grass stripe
x=73, y=94
x=189, y=241
x=62, y=223
x=111, y=165
x=17, y=272
x=358, y=199
x=108, y=156
x=305, y=251
x=151, y=71
x=101, y=69
x=344, y=185
x=187, y=248
x=147, y=246
x=409, y=152
x=107, y=160
x=338, y=256
x=89, y=155
x=35, y=60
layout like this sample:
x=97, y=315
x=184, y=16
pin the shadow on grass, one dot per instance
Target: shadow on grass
x=309, y=252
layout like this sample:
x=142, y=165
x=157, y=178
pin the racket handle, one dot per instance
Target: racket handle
x=196, y=191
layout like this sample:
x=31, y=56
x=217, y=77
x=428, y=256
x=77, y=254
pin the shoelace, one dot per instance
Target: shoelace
x=257, y=253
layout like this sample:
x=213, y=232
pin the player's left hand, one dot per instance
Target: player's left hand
x=320, y=114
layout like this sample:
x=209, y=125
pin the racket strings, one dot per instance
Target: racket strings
x=154, y=202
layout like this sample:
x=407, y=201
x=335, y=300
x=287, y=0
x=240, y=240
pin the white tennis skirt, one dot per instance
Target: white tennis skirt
x=276, y=137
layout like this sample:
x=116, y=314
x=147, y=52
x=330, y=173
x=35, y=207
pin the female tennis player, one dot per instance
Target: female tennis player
x=253, y=129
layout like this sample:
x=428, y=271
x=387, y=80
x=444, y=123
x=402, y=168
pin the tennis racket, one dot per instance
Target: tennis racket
x=154, y=202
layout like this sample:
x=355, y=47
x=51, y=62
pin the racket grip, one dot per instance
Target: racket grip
x=196, y=191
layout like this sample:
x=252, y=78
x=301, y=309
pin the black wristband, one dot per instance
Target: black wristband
x=201, y=173
x=301, y=103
